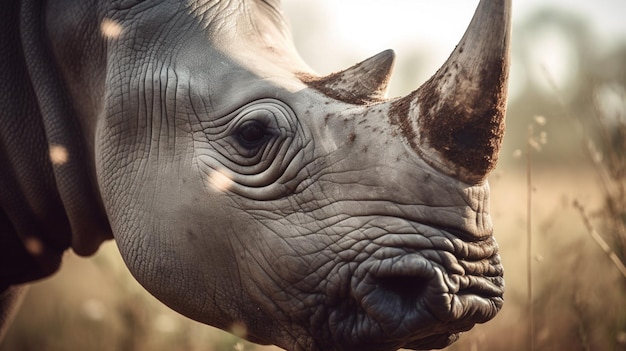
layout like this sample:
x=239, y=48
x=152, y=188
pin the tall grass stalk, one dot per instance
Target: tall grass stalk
x=529, y=240
x=599, y=240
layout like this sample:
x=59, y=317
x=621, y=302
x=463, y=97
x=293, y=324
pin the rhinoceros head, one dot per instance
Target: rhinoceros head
x=243, y=188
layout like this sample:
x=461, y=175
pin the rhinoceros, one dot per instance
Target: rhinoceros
x=240, y=186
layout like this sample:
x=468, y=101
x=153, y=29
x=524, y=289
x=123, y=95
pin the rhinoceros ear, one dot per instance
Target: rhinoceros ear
x=455, y=121
x=363, y=83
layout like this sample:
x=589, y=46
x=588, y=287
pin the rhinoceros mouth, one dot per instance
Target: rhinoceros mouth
x=424, y=299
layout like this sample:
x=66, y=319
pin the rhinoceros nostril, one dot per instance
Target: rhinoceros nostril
x=405, y=288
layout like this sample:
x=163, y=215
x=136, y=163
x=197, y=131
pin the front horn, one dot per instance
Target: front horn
x=455, y=120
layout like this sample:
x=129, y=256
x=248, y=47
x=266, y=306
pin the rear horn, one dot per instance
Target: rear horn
x=364, y=83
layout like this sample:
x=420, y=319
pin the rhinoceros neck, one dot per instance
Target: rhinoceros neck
x=47, y=201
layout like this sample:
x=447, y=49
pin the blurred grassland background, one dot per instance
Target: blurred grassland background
x=564, y=160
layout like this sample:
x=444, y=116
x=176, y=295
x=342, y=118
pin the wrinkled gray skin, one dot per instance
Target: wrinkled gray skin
x=241, y=187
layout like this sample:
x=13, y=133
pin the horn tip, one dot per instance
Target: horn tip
x=389, y=54
x=386, y=58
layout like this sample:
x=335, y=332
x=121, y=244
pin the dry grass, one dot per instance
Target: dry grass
x=94, y=304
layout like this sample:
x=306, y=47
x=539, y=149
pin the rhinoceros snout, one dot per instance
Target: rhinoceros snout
x=425, y=299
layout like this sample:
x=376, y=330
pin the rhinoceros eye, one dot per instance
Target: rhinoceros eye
x=252, y=133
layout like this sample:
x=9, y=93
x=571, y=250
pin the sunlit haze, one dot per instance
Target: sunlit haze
x=332, y=34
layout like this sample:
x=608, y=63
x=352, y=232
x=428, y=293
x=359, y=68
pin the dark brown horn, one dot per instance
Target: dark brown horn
x=363, y=83
x=455, y=121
